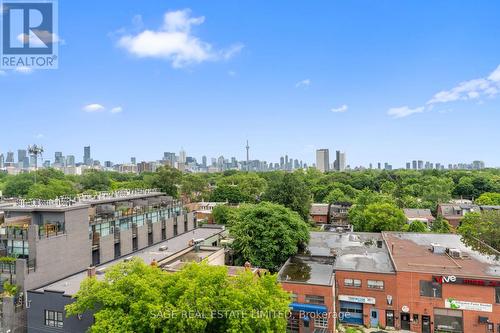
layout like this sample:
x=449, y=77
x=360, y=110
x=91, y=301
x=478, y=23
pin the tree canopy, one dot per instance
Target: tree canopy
x=135, y=297
x=267, y=234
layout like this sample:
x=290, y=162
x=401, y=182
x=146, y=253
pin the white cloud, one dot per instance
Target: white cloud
x=231, y=73
x=93, y=108
x=39, y=136
x=116, y=109
x=3, y=73
x=342, y=108
x=404, y=111
x=24, y=70
x=465, y=91
x=495, y=75
x=41, y=39
x=303, y=83
x=175, y=42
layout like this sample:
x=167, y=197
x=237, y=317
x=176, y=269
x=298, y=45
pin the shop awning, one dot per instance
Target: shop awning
x=308, y=307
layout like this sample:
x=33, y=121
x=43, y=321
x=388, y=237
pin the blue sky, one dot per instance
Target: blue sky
x=384, y=81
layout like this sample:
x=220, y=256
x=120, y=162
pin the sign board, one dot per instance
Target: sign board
x=452, y=279
x=357, y=299
x=451, y=303
x=405, y=308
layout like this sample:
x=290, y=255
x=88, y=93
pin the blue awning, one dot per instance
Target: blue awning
x=308, y=308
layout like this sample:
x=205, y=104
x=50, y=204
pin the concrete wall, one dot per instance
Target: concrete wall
x=107, y=248
x=126, y=242
x=156, y=232
x=142, y=237
x=62, y=255
x=180, y=224
x=191, y=217
x=170, y=227
x=55, y=301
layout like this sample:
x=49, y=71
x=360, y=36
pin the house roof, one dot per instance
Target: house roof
x=319, y=209
x=416, y=213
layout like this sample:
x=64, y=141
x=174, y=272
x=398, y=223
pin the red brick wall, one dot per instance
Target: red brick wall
x=306, y=289
x=408, y=285
x=320, y=218
x=379, y=295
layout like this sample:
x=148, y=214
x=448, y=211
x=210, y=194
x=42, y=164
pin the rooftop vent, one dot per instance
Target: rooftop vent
x=379, y=244
x=128, y=259
x=163, y=248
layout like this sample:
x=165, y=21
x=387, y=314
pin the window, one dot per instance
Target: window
x=352, y=283
x=315, y=299
x=430, y=289
x=320, y=322
x=53, y=318
x=294, y=297
x=375, y=284
x=497, y=296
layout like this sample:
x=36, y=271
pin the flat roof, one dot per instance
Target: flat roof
x=354, y=251
x=70, y=285
x=308, y=270
x=412, y=252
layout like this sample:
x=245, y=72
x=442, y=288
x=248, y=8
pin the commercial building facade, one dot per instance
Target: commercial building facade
x=424, y=283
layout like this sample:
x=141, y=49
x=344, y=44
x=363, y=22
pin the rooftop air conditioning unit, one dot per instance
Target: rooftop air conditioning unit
x=163, y=248
x=454, y=253
x=437, y=248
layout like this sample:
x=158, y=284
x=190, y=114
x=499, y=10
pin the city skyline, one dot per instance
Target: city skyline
x=355, y=84
x=23, y=160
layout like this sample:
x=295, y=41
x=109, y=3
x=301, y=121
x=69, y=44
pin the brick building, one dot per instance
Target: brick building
x=410, y=281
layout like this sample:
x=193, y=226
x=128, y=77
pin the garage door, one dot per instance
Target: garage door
x=351, y=313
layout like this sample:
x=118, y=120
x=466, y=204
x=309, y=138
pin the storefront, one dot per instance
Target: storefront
x=448, y=320
x=351, y=309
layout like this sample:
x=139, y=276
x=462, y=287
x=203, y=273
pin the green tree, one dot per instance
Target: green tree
x=440, y=225
x=135, y=297
x=489, y=199
x=267, y=234
x=19, y=185
x=95, y=180
x=223, y=214
x=357, y=214
x=229, y=193
x=251, y=185
x=481, y=229
x=417, y=226
x=167, y=179
x=290, y=191
x=193, y=186
x=53, y=189
x=384, y=217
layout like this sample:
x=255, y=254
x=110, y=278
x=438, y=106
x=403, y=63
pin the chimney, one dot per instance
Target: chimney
x=91, y=271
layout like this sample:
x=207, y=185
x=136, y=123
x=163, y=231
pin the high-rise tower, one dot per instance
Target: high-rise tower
x=248, y=156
